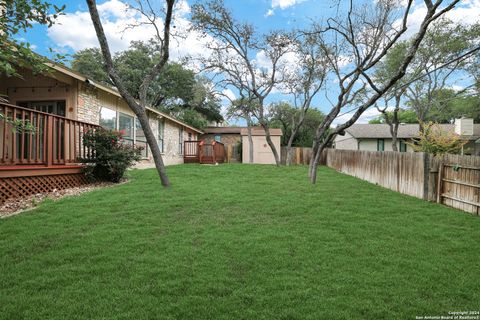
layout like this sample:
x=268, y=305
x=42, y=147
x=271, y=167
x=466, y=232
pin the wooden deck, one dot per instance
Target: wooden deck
x=43, y=159
x=204, y=153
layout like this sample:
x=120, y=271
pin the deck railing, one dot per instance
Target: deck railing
x=199, y=151
x=54, y=140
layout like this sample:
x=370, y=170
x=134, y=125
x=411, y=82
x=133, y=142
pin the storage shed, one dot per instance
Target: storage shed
x=261, y=150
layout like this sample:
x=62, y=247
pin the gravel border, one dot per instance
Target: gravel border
x=16, y=206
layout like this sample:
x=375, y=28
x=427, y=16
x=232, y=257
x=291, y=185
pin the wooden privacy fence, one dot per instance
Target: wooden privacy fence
x=459, y=183
x=300, y=155
x=452, y=180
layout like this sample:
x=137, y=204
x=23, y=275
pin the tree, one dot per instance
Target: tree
x=162, y=43
x=304, y=83
x=354, y=46
x=283, y=115
x=233, y=57
x=243, y=108
x=176, y=91
x=385, y=69
x=443, y=42
x=403, y=115
x=435, y=140
x=91, y=64
x=450, y=105
x=16, y=17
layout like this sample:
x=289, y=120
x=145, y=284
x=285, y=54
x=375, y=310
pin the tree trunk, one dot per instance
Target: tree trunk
x=394, y=143
x=152, y=143
x=288, y=160
x=270, y=143
x=314, y=162
x=138, y=109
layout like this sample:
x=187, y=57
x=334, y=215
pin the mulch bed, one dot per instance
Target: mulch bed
x=18, y=205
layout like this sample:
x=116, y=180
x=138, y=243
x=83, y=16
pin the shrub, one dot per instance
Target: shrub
x=435, y=140
x=111, y=156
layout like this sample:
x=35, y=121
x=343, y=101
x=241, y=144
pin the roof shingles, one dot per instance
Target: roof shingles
x=405, y=131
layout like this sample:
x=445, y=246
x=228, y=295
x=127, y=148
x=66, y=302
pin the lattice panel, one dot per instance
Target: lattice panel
x=25, y=186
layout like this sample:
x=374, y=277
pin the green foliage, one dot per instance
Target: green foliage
x=90, y=63
x=19, y=17
x=450, y=105
x=111, y=155
x=176, y=91
x=192, y=117
x=239, y=242
x=404, y=116
x=283, y=115
x=18, y=125
x=435, y=140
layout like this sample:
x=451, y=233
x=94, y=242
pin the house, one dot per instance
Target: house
x=62, y=105
x=377, y=137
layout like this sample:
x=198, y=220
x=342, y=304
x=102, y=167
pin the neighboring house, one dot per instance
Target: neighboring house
x=377, y=137
x=69, y=94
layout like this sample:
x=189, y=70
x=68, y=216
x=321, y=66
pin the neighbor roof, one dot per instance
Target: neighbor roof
x=258, y=131
x=114, y=91
x=405, y=131
x=224, y=130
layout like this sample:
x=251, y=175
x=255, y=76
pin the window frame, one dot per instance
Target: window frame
x=161, y=134
x=137, y=142
x=381, y=142
x=115, y=122
x=180, y=141
x=132, y=137
x=402, y=146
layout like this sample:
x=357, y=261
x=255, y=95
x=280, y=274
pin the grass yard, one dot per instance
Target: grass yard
x=239, y=242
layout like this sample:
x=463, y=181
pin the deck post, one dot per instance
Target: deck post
x=50, y=142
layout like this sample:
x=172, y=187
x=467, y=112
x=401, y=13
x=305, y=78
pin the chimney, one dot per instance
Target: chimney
x=464, y=126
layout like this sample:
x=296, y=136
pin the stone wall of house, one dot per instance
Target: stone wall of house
x=88, y=105
x=171, y=150
x=90, y=101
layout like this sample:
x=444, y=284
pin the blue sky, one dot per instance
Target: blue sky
x=75, y=32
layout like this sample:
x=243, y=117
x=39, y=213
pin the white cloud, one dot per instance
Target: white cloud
x=466, y=12
x=368, y=115
x=283, y=4
x=75, y=30
x=228, y=94
x=269, y=13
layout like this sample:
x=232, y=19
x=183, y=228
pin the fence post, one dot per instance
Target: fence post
x=426, y=174
x=440, y=183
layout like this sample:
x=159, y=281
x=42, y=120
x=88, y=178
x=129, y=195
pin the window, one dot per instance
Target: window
x=189, y=136
x=108, y=118
x=125, y=126
x=218, y=138
x=180, y=141
x=53, y=107
x=161, y=128
x=403, y=146
x=380, y=145
x=140, y=139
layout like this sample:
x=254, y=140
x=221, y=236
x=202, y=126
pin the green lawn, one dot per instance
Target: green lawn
x=239, y=242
